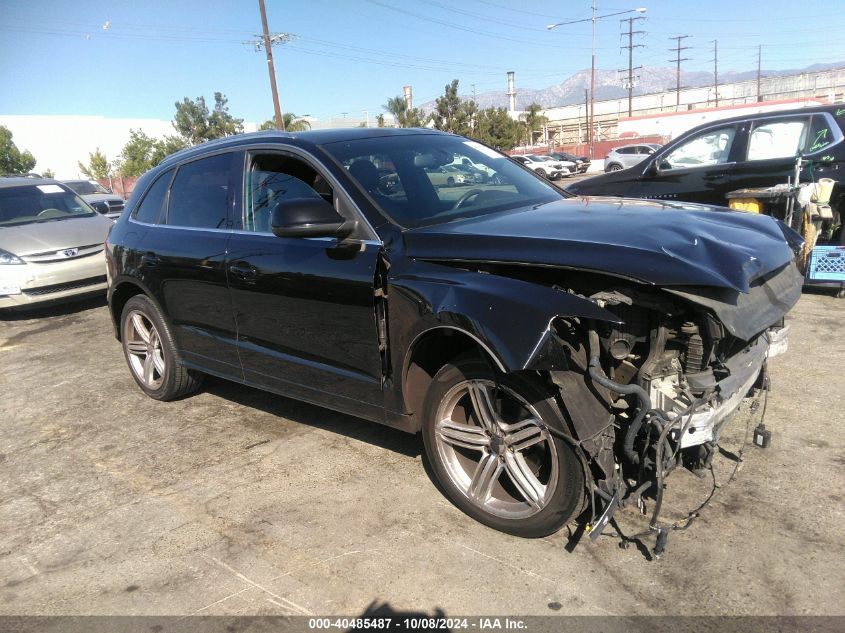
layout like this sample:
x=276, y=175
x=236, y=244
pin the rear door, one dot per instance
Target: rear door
x=305, y=307
x=182, y=260
x=774, y=144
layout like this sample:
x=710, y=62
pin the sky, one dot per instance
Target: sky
x=132, y=59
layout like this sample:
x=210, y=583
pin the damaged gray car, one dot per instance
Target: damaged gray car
x=558, y=356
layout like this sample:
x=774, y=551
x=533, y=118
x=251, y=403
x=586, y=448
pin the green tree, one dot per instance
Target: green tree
x=402, y=115
x=447, y=113
x=396, y=106
x=467, y=117
x=166, y=146
x=291, y=121
x=196, y=124
x=136, y=156
x=380, y=120
x=98, y=166
x=533, y=121
x=48, y=173
x=495, y=127
x=141, y=152
x=12, y=160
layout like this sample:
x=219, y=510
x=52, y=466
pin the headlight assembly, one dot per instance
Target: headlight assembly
x=7, y=258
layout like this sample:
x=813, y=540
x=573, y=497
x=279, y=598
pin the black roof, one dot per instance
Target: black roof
x=741, y=117
x=19, y=181
x=310, y=137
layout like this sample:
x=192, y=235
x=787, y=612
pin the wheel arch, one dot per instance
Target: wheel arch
x=430, y=351
x=121, y=292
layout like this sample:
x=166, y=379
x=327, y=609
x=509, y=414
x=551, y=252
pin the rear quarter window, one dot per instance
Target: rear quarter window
x=151, y=206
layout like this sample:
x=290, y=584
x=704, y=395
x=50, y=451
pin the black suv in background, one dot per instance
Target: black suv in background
x=757, y=150
x=496, y=320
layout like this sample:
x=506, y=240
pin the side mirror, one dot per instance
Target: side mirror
x=652, y=169
x=100, y=207
x=308, y=217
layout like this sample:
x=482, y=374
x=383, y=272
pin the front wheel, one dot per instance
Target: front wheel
x=486, y=437
x=541, y=172
x=151, y=354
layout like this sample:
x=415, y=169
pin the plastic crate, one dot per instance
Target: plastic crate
x=827, y=263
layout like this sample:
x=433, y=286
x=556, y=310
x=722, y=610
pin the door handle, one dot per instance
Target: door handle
x=149, y=259
x=243, y=271
x=717, y=177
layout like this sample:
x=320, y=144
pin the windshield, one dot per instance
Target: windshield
x=39, y=203
x=85, y=187
x=403, y=176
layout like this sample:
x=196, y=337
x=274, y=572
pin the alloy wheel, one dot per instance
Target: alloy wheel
x=496, y=449
x=143, y=349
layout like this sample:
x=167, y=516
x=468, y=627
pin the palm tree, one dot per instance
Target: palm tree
x=292, y=123
x=533, y=120
x=398, y=108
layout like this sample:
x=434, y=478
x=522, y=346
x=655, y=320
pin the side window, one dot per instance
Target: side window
x=625, y=150
x=198, y=197
x=777, y=139
x=709, y=148
x=273, y=178
x=820, y=134
x=150, y=208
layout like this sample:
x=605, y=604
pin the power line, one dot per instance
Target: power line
x=631, y=46
x=678, y=60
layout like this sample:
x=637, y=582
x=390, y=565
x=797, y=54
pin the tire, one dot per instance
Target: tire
x=541, y=172
x=530, y=491
x=614, y=167
x=450, y=181
x=151, y=354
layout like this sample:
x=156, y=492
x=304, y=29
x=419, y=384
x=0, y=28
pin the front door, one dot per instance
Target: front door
x=305, y=307
x=697, y=170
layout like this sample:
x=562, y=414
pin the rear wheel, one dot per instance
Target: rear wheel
x=488, y=443
x=541, y=172
x=614, y=167
x=151, y=354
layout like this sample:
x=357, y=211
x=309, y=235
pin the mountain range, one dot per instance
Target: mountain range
x=609, y=85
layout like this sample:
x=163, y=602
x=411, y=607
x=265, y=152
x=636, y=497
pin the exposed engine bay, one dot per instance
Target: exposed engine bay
x=671, y=373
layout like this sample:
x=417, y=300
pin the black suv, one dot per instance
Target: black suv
x=550, y=351
x=757, y=150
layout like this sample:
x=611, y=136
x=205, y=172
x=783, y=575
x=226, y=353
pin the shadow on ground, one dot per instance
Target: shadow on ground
x=54, y=310
x=317, y=417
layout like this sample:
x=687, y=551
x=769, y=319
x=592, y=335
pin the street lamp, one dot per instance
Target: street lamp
x=593, y=19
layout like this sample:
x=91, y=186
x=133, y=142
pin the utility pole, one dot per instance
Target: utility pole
x=592, y=84
x=268, y=50
x=631, y=68
x=759, y=71
x=716, y=70
x=678, y=48
x=586, y=113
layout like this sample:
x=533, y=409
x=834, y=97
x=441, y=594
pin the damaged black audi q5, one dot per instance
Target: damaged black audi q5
x=557, y=355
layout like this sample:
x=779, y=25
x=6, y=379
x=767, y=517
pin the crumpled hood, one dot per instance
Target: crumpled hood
x=665, y=244
x=41, y=237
